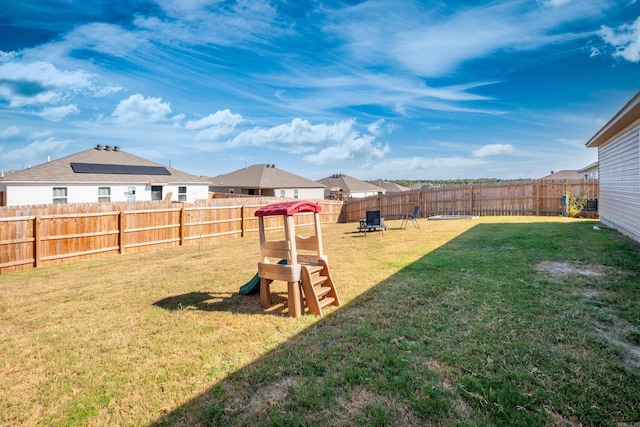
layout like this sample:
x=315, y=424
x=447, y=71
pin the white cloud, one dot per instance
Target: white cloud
x=137, y=110
x=105, y=91
x=55, y=114
x=328, y=142
x=216, y=125
x=9, y=132
x=376, y=128
x=359, y=148
x=625, y=39
x=38, y=82
x=223, y=117
x=493, y=150
x=297, y=136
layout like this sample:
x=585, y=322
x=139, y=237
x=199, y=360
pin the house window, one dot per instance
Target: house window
x=182, y=194
x=295, y=193
x=282, y=192
x=156, y=192
x=130, y=194
x=59, y=195
x=104, y=194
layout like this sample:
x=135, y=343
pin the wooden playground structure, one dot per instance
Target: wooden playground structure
x=306, y=270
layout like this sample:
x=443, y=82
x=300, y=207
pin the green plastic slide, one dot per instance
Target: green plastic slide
x=253, y=285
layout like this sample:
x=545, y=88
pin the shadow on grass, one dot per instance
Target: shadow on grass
x=213, y=301
x=471, y=333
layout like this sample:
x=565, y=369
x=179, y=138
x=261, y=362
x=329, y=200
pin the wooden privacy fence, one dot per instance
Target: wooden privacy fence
x=538, y=197
x=60, y=233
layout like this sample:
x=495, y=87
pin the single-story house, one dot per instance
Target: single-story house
x=618, y=144
x=390, y=187
x=100, y=174
x=341, y=186
x=590, y=172
x=267, y=180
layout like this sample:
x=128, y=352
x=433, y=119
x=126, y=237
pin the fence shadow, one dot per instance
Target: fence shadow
x=383, y=356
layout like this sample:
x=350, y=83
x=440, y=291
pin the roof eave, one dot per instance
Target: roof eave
x=623, y=118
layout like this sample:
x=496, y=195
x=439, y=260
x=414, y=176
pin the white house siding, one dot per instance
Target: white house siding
x=302, y=193
x=357, y=195
x=619, y=193
x=21, y=195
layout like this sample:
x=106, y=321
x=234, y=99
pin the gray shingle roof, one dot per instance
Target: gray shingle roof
x=60, y=171
x=391, y=187
x=564, y=174
x=349, y=184
x=263, y=176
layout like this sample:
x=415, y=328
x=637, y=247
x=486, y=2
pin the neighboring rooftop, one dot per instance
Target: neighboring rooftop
x=350, y=185
x=391, y=187
x=263, y=176
x=564, y=174
x=101, y=164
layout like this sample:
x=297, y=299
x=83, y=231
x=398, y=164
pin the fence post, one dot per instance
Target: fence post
x=37, y=236
x=183, y=216
x=471, y=199
x=536, y=187
x=121, y=232
x=243, y=225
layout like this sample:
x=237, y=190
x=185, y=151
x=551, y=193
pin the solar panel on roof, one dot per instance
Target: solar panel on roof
x=118, y=169
x=81, y=168
x=100, y=168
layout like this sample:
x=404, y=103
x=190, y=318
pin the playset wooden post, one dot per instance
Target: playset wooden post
x=307, y=268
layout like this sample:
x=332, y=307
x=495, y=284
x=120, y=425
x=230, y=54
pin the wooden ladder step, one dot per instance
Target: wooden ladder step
x=318, y=280
x=322, y=291
x=314, y=268
x=326, y=301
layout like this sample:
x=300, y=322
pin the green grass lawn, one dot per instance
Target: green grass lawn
x=493, y=321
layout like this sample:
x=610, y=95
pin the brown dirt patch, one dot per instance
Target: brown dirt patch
x=568, y=268
x=361, y=397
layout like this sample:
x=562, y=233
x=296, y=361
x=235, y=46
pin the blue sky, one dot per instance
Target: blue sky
x=374, y=89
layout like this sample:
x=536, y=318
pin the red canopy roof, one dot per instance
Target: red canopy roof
x=288, y=208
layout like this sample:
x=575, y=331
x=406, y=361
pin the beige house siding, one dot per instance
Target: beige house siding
x=619, y=194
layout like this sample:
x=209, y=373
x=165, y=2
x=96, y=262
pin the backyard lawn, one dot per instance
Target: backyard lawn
x=490, y=321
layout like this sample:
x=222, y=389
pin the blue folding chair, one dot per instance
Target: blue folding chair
x=413, y=217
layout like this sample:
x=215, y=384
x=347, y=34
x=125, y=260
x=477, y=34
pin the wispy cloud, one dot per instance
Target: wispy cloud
x=432, y=42
x=493, y=150
x=9, y=132
x=35, y=151
x=55, y=114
